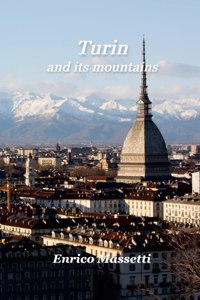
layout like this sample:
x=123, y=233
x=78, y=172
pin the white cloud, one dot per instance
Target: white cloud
x=9, y=83
x=111, y=92
x=58, y=87
x=175, y=91
x=167, y=68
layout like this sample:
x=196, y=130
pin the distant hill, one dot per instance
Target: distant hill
x=27, y=117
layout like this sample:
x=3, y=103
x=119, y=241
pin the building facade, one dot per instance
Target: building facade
x=185, y=209
x=47, y=162
x=27, y=272
x=133, y=280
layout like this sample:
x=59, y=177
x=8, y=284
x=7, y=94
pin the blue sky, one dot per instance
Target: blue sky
x=35, y=34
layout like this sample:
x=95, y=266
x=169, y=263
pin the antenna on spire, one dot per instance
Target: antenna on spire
x=143, y=92
x=144, y=102
x=143, y=50
x=144, y=77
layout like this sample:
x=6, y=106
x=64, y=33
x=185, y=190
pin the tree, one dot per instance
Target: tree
x=185, y=265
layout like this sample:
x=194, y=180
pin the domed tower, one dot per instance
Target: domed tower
x=144, y=154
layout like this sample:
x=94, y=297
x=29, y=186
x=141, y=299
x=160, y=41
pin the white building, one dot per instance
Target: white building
x=185, y=209
x=145, y=201
x=196, y=182
x=30, y=171
x=98, y=202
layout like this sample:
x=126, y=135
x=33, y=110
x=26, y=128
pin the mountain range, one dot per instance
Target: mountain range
x=30, y=118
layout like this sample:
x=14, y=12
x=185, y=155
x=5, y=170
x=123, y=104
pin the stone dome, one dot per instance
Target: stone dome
x=144, y=154
x=144, y=137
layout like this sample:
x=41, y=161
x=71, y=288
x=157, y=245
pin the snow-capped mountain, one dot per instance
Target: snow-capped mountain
x=112, y=105
x=32, y=118
x=184, y=109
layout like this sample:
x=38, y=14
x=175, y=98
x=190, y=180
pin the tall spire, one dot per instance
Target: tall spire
x=143, y=93
x=144, y=108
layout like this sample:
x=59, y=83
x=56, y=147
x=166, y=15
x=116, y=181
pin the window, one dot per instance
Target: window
x=164, y=266
x=173, y=278
x=10, y=276
x=88, y=283
x=110, y=265
x=155, y=279
x=146, y=266
x=14, y=266
x=19, y=287
x=35, y=287
x=40, y=264
x=27, y=275
x=164, y=278
x=44, y=285
x=27, y=287
x=71, y=296
x=164, y=291
x=164, y=255
x=10, y=288
x=155, y=267
x=88, y=295
x=155, y=255
x=132, y=280
x=146, y=279
x=131, y=267
x=60, y=273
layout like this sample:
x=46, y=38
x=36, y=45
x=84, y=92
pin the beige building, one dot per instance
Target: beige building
x=145, y=201
x=185, y=209
x=54, y=162
x=26, y=151
x=195, y=149
x=148, y=207
x=14, y=160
